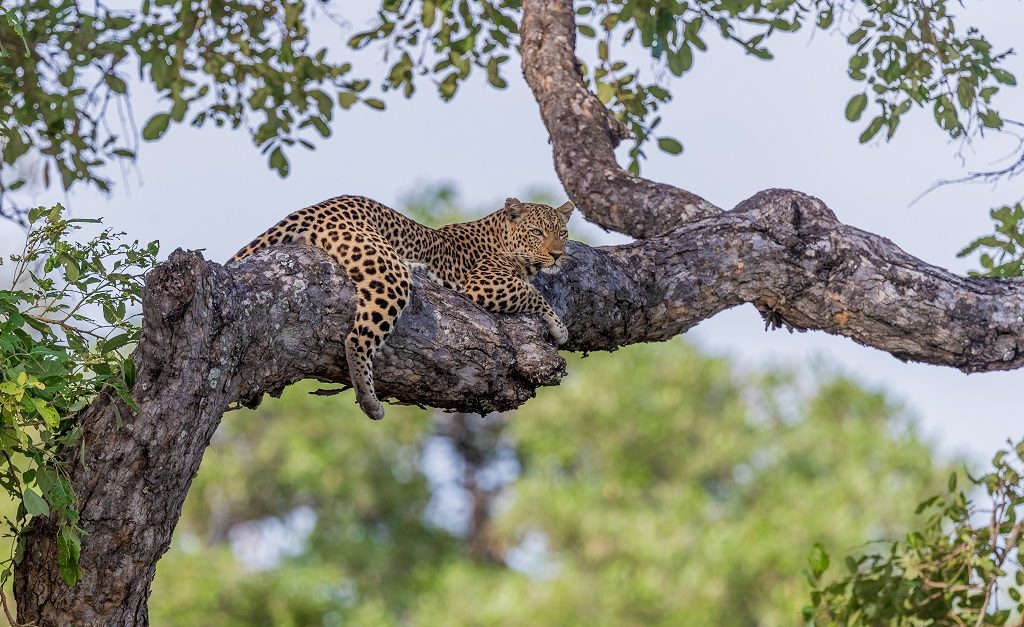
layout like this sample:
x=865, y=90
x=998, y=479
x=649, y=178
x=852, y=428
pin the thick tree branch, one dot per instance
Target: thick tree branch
x=584, y=134
x=852, y=283
x=214, y=336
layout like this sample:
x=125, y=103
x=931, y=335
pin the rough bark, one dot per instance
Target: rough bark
x=214, y=336
x=584, y=134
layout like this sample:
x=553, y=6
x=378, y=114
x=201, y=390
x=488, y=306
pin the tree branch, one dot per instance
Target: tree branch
x=851, y=283
x=584, y=134
x=213, y=336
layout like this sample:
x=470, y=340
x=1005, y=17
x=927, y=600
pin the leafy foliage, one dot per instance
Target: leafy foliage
x=910, y=54
x=961, y=568
x=1004, y=256
x=55, y=358
x=907, y=54
x=254, y=65
x=240, y=63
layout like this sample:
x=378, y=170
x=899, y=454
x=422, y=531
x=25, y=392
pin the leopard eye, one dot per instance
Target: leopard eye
x=537, y=232
x=564, y=233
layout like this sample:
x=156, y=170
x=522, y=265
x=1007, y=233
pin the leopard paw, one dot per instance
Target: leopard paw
x=371, y=407
x=558, y=332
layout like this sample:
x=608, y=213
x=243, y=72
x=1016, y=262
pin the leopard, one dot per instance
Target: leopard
x=492, y=261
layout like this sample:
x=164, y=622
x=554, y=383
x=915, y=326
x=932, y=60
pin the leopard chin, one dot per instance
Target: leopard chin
x=552, y=269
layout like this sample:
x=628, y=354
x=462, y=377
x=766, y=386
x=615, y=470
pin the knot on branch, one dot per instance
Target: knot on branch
x=788, y=210
x=793, y=219
x=171, y=285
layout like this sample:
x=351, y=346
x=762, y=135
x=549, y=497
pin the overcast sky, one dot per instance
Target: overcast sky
x=747, y=125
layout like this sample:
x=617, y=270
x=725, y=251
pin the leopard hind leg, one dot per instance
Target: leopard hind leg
x=382, y=283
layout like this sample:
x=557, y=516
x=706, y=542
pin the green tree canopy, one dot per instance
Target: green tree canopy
x=657, y=487
x=282, y=70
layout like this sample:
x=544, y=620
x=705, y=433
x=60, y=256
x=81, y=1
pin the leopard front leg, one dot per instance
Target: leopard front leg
x=504, y=292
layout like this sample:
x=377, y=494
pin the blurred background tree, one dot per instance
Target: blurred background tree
x=657, y=486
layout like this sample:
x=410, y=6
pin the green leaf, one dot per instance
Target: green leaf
x=670, y=145
x=825, y=19
x=872, y=129
x=374, y=103
x=964, y=93
x=156, y=127
x=1004, y=77
x=855, y=108
x=128, y=373
x=680, y=60
x=346, y=99
x=71, y=271
x=114, y=343
x=116, y=84
x=818, y=560
x=991, y=119
x=34, y=504
x=49, y=415
x=857, y=35
x=68, y=551
x=279, y=162
x=321, y=126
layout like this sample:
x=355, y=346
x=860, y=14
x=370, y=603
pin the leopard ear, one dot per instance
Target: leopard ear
x=566, y=209
x=514, y=208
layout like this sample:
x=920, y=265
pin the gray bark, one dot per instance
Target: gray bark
x=215, y=336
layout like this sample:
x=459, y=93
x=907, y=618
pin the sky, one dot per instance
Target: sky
x=747, y=125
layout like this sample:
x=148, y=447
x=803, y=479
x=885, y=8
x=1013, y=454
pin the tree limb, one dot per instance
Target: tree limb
x=584, y=134
x=213, y=336
x=852, y=283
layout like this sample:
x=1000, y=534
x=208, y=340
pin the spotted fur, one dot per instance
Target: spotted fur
x=490, y=260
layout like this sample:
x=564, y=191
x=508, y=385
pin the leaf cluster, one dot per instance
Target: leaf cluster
x=239, y=63
x=442, y=39
x=65, y=325
x=1002, y=253
x=912, y=55
x=960, y=568
x=253, y=65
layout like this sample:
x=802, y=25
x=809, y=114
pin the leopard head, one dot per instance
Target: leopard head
x=537, y=233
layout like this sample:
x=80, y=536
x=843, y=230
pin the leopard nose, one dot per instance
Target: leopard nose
x=555, y=256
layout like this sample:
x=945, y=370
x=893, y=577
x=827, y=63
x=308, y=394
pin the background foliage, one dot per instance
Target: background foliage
x=657, y=486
